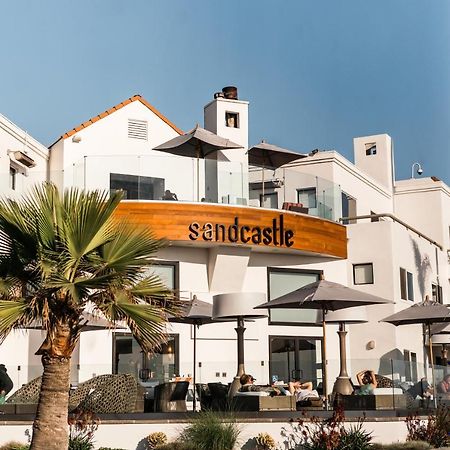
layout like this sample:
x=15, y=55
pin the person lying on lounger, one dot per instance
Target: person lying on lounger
x=302, y=390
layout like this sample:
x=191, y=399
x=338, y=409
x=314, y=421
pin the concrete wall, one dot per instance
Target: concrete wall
x=128, y=436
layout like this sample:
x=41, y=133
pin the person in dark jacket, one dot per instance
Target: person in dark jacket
x=6, y=383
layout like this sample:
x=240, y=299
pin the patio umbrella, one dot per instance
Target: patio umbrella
x=428, y=313
x=270, y=156
x=197, y=143
x=195, y=312
x=325, y=296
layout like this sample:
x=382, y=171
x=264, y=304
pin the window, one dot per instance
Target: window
x=348, y=208
x=138, y=129
x=135, y=187
x=410, y=361
x=12, y=178
x=232, y=119
x=160, y=366
x=269, y=200
x=363, y=273
x=436, y=292
x=283, y=281
x=168, y=272
x=294, y=358
x=406, y=285
x=307, y=197
x=371, y=149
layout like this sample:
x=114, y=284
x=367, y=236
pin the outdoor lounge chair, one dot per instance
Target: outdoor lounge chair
x=171, y=397
x=104, y=394
x=219, y=396
x=262, y=401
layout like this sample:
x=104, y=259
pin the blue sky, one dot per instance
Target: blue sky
x=317, y=73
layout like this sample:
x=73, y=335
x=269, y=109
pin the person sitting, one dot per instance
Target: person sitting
x=169, y=195
x=6, y=383
x=367, y=382
x=302, y=391
x=421, y=389
x=444, y=386
x=247, y=385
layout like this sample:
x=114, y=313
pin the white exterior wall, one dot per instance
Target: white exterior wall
x=12, y=138
x=379, y=164
x=106, y=148
x=370, y=195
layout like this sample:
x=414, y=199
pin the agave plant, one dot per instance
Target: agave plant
x=58, y=254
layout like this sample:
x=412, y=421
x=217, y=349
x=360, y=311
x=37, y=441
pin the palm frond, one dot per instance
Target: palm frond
x=131, y=248
x=11, y=314
x=146, y=322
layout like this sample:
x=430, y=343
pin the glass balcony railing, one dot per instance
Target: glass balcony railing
x=145, y=177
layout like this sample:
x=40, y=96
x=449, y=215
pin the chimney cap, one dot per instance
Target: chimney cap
x=230, y=92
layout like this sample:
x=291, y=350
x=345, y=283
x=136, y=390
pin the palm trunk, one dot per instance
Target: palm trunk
x=50, y=428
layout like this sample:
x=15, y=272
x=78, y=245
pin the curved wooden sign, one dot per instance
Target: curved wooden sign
x=217, y=224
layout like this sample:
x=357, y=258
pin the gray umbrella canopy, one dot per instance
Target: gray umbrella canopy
x=440, y=328
x=324, y=295
x=270, y=156
x=197, y=143
x=194, y=312
x=425, y=312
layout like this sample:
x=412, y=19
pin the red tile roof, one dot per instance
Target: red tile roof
x=115, y=108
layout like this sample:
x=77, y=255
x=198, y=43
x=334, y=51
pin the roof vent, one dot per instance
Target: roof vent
x=230, y=92
x=138, y=129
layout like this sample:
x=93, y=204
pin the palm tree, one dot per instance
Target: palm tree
x=58, y=254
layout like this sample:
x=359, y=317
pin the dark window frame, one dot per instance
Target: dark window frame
x=354, y=274
x=175, y=265
x=284, y=270
x=235, y=115
x=307, y=190
x=174, y=336
x=295, y=338
x=406, y=285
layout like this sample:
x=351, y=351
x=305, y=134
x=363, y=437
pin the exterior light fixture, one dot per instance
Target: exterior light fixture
x=418, y=167
x=76, y=139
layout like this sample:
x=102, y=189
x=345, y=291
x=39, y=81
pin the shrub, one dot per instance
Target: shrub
x=264, y=441
x=327, y=434
x=82, y=427
x=211, y=431
x=155, y=440
x=434, y=430
x=14, y=446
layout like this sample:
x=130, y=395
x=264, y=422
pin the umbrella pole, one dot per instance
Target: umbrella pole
x=324, y=380
x=194, y=400
x=430, y=344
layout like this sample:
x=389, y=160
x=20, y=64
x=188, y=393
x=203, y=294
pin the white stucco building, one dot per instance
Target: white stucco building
x=396, y=235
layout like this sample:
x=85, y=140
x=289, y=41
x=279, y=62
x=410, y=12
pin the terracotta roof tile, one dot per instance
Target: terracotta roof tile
x=116, y=108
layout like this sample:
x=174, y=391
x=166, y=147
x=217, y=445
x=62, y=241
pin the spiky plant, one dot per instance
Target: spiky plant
x=156, y=439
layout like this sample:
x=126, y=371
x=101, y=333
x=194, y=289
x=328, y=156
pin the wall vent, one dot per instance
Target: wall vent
x=138, y=129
